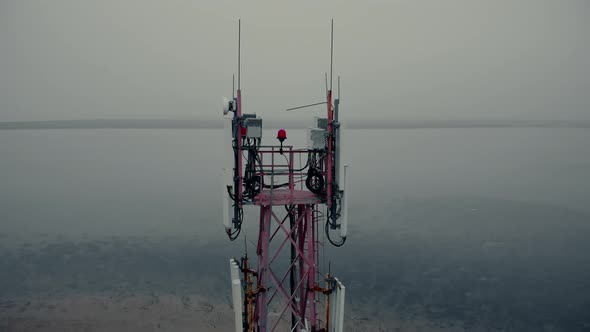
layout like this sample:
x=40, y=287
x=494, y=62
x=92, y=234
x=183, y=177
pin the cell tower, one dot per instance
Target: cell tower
x=284, y=290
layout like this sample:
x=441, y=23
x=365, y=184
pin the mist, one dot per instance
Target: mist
x=465, y=125
x=398, y=60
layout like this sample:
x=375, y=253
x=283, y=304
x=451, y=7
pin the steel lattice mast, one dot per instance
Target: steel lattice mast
x=279, y=292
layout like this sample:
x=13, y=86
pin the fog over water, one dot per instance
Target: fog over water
x=459, y=228
x=470, y=212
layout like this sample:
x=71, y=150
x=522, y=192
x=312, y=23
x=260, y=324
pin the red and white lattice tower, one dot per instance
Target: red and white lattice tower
x=284, y=289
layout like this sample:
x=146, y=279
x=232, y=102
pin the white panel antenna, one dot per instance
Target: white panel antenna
x=226, y=203
x=236, y=287
x=344, y=213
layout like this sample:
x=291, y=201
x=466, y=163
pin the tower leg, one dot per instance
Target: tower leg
x=311, y=256
x=262, y=252
x=293, y=256
x=301, y=239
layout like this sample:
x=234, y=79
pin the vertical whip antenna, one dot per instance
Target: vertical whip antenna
x=233, y=86
x=338, y=87
x=239, y=49
x=326, y=79
x=331, y=51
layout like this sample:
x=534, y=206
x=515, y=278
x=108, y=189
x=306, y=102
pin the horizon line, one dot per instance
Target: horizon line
x=162, y=123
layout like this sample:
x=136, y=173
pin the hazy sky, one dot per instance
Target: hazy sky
x=402, y=60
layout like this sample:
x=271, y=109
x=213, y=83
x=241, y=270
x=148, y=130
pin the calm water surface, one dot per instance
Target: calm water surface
x=484, y=226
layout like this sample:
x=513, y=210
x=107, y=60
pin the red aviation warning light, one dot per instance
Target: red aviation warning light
x=281, y=136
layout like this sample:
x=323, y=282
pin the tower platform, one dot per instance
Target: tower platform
x=286, y=197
